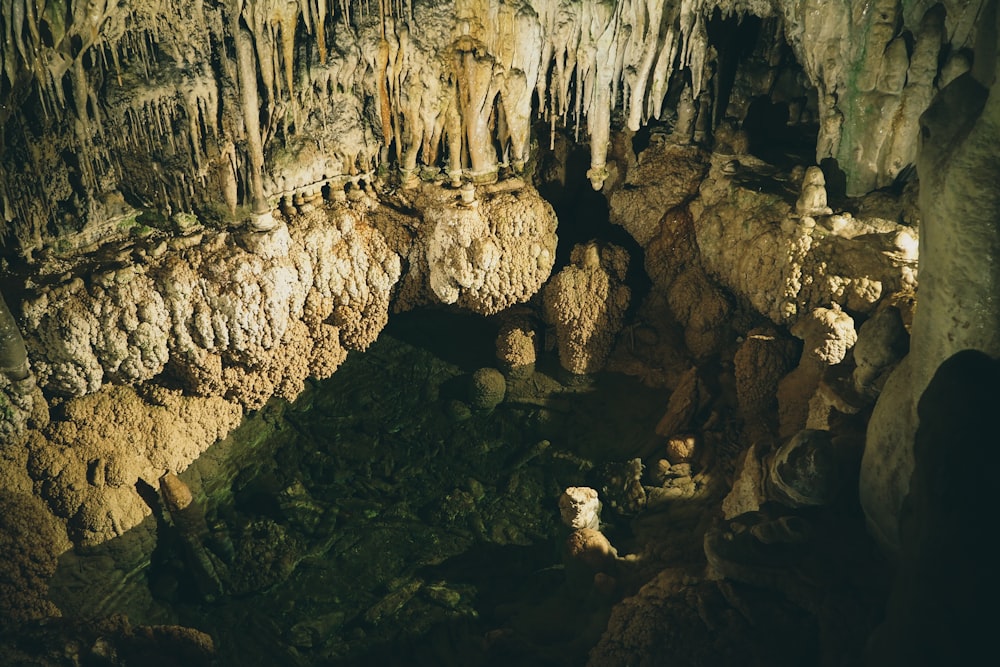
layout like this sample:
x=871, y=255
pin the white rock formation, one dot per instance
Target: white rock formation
x=217, y=108
x=787, y=270
x=580, y=507
x=243, y=315
x=485, y=255
x=828, y=334
x=310, y=94
x=812, y=200
x=586, y=304
x=871, y=87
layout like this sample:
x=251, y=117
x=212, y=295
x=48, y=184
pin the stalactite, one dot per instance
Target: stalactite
x=661, y=74
x=319, y=20
x=405, y=77
x=522, y=73
x=699, y=56
x=284, y=22
x=647, y=17
x=476, y=93
x=622, y=39
x=251, y=116
x=567, y=41
x=144, y=52
x=17, y=21
x=345, y=11
x=383, y=75
x=262, y=51
x=546, y=15
x=600, y=103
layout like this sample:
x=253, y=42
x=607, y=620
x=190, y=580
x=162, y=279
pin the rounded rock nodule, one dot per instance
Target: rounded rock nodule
x=487, y=389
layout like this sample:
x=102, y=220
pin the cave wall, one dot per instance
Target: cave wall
x=959, y=273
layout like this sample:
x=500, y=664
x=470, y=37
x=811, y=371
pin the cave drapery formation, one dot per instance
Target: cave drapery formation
x=235, y=193
x=240, y=104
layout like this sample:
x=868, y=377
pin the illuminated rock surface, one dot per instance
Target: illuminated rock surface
x=685, y=230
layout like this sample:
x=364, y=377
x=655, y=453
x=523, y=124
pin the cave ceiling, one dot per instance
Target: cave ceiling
x=225, y=108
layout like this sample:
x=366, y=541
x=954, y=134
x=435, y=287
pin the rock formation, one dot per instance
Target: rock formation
x=86, y=465
x=959, y=263
x=518, y=344
x=291, y=301
x=943, y=577
x=307, y=95
x=580, y=507
x=31, y=540
x=485, y=254
x=586, y=303
x=786, y=267
x=759, y=364
x=205, y=204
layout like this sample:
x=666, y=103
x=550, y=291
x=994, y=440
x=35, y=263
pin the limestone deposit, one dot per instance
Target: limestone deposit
x=86, y=466
x=586, y=304
x=780, y=215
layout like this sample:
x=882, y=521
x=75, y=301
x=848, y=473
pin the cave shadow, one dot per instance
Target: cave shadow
x=773, y=140
x=521, y=607
x=583, y=213
x=469, y=340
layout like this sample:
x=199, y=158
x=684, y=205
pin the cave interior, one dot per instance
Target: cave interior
x=490, y=332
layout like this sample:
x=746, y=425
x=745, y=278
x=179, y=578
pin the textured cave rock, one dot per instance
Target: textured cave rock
x=942, y=604
x=586, y=303
x=122, y=117
x=786, y=265
x=86, y=466
x=223, y=198
x=30, y=542
x=484, y=255
x=246, y=315
x=228, y=108
x=960, y=275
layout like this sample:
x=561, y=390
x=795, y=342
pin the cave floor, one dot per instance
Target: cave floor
x=380, y=520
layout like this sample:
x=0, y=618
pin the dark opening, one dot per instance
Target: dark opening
x=734, y=38
x=583, y=212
